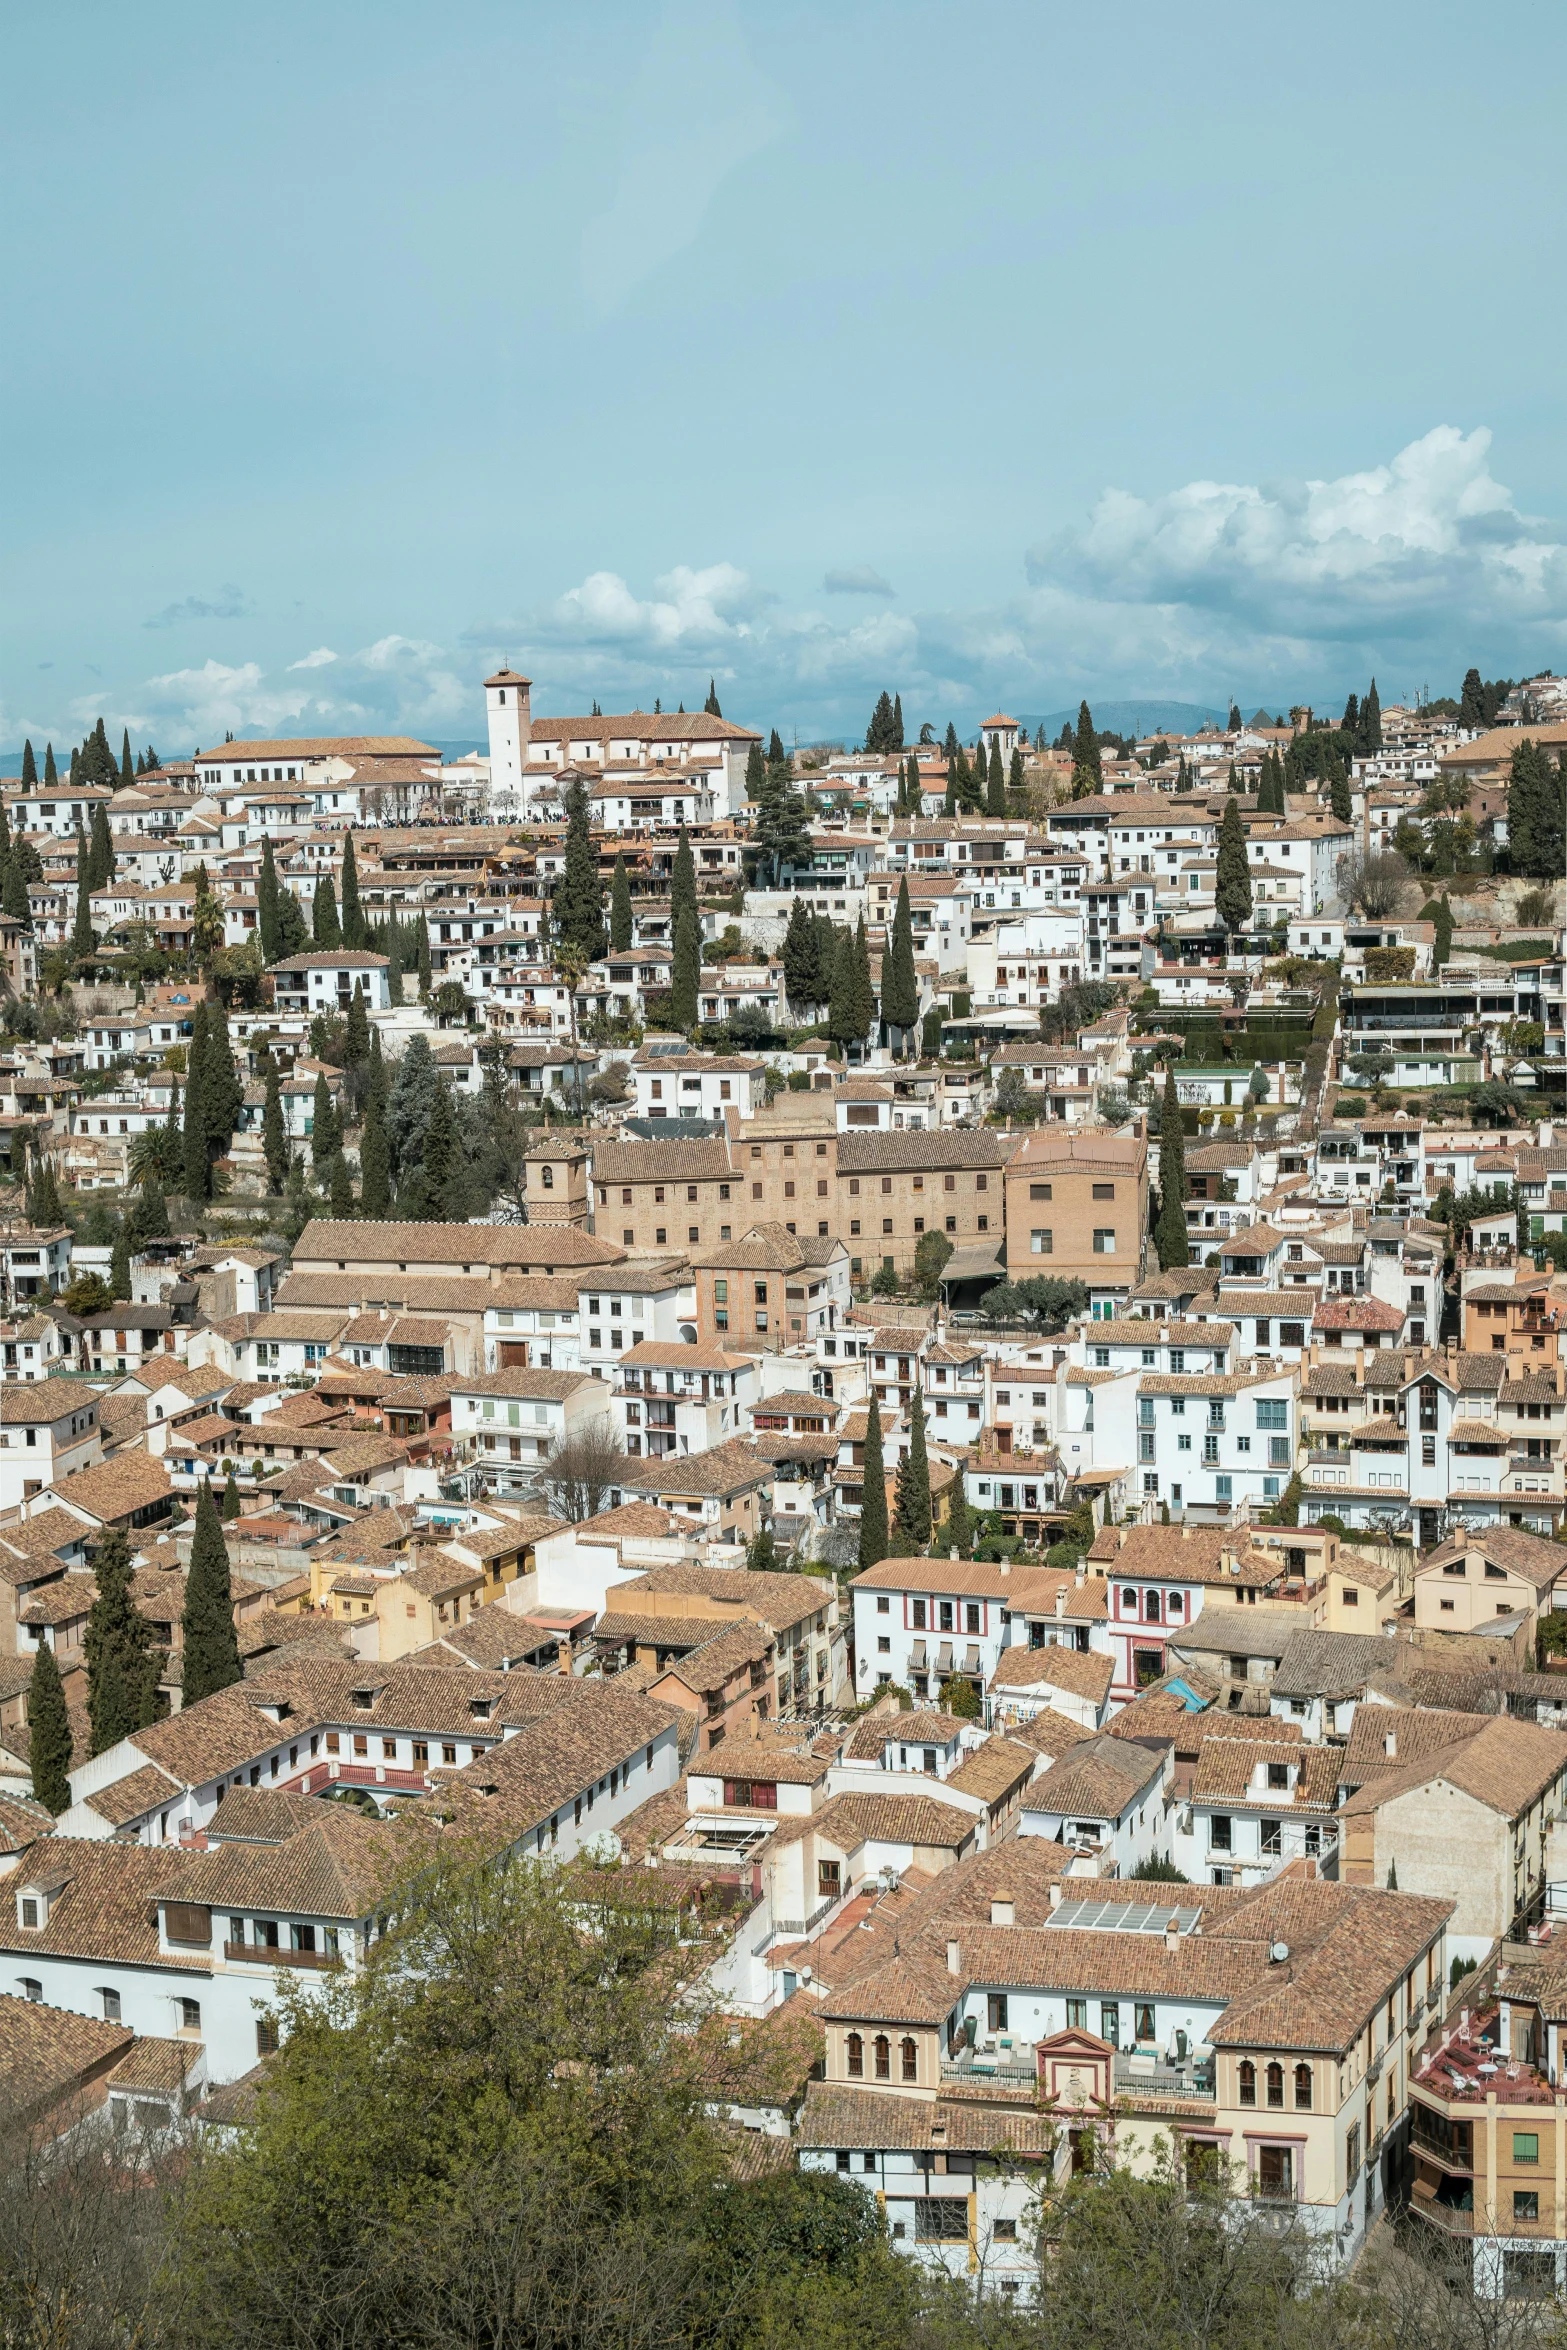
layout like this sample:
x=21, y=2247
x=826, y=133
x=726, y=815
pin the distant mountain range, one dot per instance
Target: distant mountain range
x=1131, y=718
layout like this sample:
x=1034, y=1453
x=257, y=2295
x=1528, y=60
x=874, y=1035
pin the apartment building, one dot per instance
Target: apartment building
x=49, y=1432
x=770, y=1289
x=1077, y=1210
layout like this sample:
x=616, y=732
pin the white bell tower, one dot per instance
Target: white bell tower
x=510, y=719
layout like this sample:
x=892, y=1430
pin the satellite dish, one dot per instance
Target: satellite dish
x=1279, y=1952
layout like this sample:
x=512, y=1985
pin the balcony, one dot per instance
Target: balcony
x=1004, y=2071
x=1140, y=2076
x=270, y=1954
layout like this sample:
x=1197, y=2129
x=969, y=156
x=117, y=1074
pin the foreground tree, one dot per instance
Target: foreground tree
x=49, y=1733
x=1232, y=881
x=1170, y=1236
x=911, y=1518
x=122, y=1664
x=211, y=1648
x=873, y=1493
x=580, y=1471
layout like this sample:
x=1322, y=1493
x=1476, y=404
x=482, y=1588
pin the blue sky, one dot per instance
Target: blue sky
x=996, y=354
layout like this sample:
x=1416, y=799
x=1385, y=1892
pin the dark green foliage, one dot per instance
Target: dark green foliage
x=127, y=766
x=49, y=1733
x=122, y=1664
x=293, y=929
x=101, y=860
x=958, y=1532
x=801, y=960
x=375, y=1085
x=900, y=1001
x=995, y=785
x=864, y=996
x=233, y=1507
x=682, y=881
x=13, y=891
x=274, y=1133
x=1087, y=763
x=779, y=825
x=932, y=1253
x=911, y=1494
x=82, y=937
x=197, y=1164
x=622, y=927
x=1371, y=720
x=411, y=1102
x=687, y=970
x=222, y=1090
x=579, y=894
x=1480, y=704
x=1170, y=1237
x=29, y=766
x=120, y=1268
x=51, y=772
x=375, y=1170
x=356, y=1031
x=958, y=1698
x=1537, y=813
x=873, y=1499
x=267, y=925
x=1232, y=894
x=1442, y=944
x=711, y=704
x=885, y=731
x=44, y=1209
x=1045, y=1301
x=148, y=1215
x=326, y=1132
x=422, y=943
x=325, y=929
x=341, y=1186
x=1339, y=797
x=211, y=1650
x=355, y=930
x=1015, y=771
x=843, y=994
x=1232, y=724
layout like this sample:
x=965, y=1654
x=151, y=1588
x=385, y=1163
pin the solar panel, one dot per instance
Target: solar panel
x=1122, y=1917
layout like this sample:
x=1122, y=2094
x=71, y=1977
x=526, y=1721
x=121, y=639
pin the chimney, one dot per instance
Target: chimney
x=1055, y=1893
x=1006, y=1565
x=954, y=1959
x=1172, y=1933
x=953, y=1552
x=1002, y=1910
x=1390, y=1745
x=1061, y=1603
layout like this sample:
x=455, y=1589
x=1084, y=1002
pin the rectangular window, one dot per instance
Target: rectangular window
x=1526, y=2145
x=1272, y=1413
x=1077, y=2015
x=996, y=2011
x=1104, y=1191
x=1110, y=2022
x=1104, y=1241
x=1040, y=1191
x=1043, y=1244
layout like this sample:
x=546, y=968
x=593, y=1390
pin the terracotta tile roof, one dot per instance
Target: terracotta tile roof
x=923, y=1151
x=521, y=1783
x=116, y=1488
x=48, y=2052
x=725, y=1469
x=1539, y=1562
x=105, y=1907
x=337, y=1867
x=1080, y=1672
x=995, y=1769
x=1181, y=1554
x=1505, y=1765
x=518, y=1246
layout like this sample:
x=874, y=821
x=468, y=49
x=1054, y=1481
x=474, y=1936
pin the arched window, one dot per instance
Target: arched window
x=911, y=2059
x=856, y=2057
x=1248, y=2081
x=882, y=2050
x=1303, y=2088
x=1275, y=2084
x=1151, y=1607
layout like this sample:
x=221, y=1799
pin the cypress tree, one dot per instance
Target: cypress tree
x=1442, y=945
x=800, y=959
x=232, y=1505
x=842, y=989
x=127, y=765
x=1339, y=796
x=949, y=806
x=101, y=868
x=687, y=977
x=864, y=996
x=267, y=906
x=341, y=1187
x=682, y=881
x=423, y=944
x=1371, y=720
x=51, y=772
x=873, y=1498
x=5, y=840
x=120, y=1268
x=1232, y=891
x=439, y=1157
x=711, y=704
x=1015, y=773
x=1170, y=1232
x=148, y=1218
x=82, y=937
x=353, y=926
x=29, y=766
x=274, y=1133
x=897, y=722
x=1536, y=798
x=579, y=893
x=326, y=1134
x=958, y=1533
x=375, y=1165
x=1087, y=762
x=14, y=899
x=48, y=1733
x=900, y=1000
x=375, y=1074
x=47, y=1211
x=211, y=1650
x=122, y=1664
x=197, y=1166
x=222, y=1093
x=622, y=927
x=911, y=1498
x=996, y=785
x=1350, y=724
x=325, y=929
x=356, y=1031
x=755, y=774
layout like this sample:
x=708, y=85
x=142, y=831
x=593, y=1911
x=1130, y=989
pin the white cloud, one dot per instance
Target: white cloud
x=396, y=685
x=858, y=579
x=319, y=659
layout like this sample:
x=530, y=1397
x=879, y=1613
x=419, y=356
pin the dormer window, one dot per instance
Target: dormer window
x=32, y=1911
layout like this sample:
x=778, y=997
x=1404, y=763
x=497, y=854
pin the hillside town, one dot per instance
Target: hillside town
x=947, y=1357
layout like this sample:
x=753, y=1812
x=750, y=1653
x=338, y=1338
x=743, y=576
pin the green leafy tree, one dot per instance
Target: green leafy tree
x=995, y=784
x=911, y=1520
x=874, y=1543
x=801, y=959
x=375, y=1166
x=148, y=1215
x=355, y=929
x=711, y=704
x=682, y=881
x=29, y=766
x=579, y=893
x=622, y=927
x=120, y=1268
x=686, y=971
x=326, y=1133
x=274, y=1133
x=958, y=1532
x=101, y=861
x=233, y=1507
x=780, y=827
x=422, y=947
x=222, y=1089
x=48, y=1732
x=51, y=772
x=1537, y=813
x=842, y=994
x=356, y=1031
x=341, y=1187
x=267, y=923
x=958, y=1698
x=211, y=1648
x=932, y=1254
x=83, y=937
x=1339, y=799
x=325, y=929
x=14, y=899
x=1371, y=720
x=1232, y=893
x=197, y=1165
x=1087, y=761
x=900, y=1000
x=1442, y=944
x=864, y=995
x=1015, y=776
x=123, y=1666
x=427, y=1185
